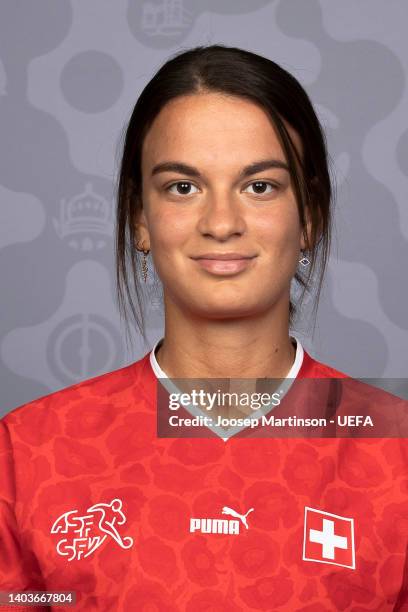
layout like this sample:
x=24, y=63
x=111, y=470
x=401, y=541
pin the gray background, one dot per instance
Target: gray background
x=70, y=74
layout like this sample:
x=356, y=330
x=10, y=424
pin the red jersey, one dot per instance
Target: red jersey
x=92, y=501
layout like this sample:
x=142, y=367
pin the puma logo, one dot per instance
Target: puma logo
x=242, y=517
x=214, y=525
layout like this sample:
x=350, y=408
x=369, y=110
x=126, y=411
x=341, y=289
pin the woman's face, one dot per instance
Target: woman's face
x=203, y=195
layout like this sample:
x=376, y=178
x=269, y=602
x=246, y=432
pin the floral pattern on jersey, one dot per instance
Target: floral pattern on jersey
x=96, y=441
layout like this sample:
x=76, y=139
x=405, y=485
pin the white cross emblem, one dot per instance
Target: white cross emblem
x=328, y=538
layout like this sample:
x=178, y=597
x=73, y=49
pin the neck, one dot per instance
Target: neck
x=252, y=347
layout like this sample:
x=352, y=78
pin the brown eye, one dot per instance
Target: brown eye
x=261, y=186
x=182, y=188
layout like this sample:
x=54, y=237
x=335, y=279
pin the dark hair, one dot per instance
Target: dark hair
x=234, y=71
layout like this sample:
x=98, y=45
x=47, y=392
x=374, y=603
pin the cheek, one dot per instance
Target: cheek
x=281, y=232
x=279, y=237
x=169, y=234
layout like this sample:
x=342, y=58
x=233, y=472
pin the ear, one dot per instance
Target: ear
x=142, y=236
x=307, y=230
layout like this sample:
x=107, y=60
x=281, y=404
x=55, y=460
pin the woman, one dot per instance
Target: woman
x=224, y=181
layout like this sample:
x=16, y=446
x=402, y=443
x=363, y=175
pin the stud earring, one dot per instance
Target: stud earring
x=304, y=261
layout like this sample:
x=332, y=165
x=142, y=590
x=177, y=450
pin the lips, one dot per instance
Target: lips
x=224, y=256
x=224, y=263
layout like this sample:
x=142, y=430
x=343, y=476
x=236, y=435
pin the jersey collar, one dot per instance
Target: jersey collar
x=293, y=372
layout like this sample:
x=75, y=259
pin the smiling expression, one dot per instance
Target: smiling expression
x=216, y=183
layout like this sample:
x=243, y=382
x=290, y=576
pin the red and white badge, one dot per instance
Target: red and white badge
x=328, y=538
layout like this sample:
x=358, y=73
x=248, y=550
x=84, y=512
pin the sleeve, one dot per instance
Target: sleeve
x=401, y=605
x=19, y=570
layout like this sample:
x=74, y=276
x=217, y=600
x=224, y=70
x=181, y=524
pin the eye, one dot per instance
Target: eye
x=182, y=188
x=259, y=187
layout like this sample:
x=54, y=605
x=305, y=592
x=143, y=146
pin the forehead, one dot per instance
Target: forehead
x=211, y=126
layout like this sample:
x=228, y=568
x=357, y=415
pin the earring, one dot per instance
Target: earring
x=144, y=262
x=144, y=265
x=304, y=261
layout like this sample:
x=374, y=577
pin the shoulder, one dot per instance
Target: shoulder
x=94, y=397
x=312, y=368
x=361, y=398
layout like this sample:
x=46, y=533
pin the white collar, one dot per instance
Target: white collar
x=291, y=375
x=293, y=372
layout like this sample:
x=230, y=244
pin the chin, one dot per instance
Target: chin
x=226, y=310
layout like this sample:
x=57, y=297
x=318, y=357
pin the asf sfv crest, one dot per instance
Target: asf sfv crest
x=83, y=534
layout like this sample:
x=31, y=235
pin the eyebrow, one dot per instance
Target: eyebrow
x=258, y=166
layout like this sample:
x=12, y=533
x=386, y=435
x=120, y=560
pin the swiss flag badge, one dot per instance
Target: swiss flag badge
x=328, y=538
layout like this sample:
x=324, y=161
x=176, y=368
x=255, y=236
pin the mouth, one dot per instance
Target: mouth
x=225, y=266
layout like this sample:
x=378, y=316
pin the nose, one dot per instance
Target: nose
x=221, y=217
